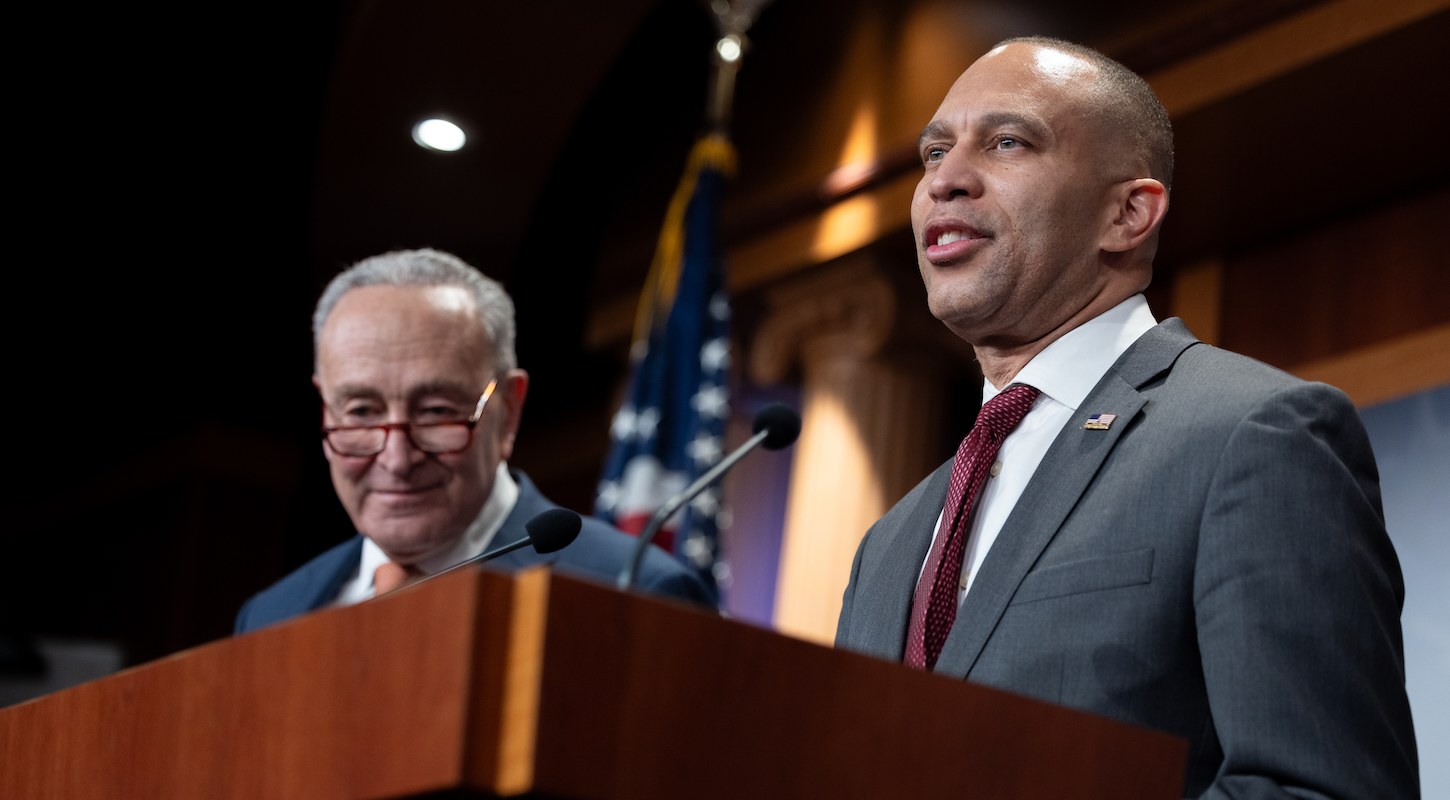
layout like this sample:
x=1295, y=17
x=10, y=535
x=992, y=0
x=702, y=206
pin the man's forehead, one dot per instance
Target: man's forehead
x=1047, y=61
x=404, y=330
x=407, y=373
x=447, y=300
x=1029, y=76
x=386, y=314
x=418, y=389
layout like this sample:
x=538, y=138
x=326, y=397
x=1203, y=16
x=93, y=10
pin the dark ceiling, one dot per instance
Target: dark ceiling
x=514, y=78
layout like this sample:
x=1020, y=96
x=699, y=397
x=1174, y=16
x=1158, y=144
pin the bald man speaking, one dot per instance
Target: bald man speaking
x=1139, y=525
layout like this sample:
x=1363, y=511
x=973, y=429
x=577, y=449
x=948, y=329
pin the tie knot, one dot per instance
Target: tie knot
x=1005, y=411
x=390, y=576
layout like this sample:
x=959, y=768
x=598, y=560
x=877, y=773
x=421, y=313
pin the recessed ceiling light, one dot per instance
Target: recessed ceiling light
x=438, y=134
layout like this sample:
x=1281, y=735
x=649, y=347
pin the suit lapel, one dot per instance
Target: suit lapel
x=530, y=504
x=329, y=582
x=889, y=592
x=1065, y=473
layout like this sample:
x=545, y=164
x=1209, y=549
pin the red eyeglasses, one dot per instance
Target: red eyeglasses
x=359, y=441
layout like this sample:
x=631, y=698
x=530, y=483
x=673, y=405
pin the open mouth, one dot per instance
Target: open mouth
x=948, y=242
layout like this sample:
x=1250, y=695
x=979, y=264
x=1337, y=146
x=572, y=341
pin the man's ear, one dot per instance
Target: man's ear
x=1138, y=206
x=514, y=386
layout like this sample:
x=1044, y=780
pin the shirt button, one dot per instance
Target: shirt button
x=996, y=468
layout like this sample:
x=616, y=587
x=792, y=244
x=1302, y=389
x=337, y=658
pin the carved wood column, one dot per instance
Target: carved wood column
x=871, y=417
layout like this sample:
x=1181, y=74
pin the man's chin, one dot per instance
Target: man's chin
x=956, y=310
x=408, y=538
x=409, y=549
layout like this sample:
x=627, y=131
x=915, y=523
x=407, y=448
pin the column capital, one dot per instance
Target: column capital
x=847, y=309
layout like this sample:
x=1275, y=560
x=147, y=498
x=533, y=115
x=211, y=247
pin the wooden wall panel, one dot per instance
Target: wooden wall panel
x=1284, y=46
x=1353, y=131
x=1343, y=286
x=1383, y=372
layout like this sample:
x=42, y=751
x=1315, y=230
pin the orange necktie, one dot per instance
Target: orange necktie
x=392, y=576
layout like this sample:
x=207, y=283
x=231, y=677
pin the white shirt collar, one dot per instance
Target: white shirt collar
x=1069, y=368
x=473, y=542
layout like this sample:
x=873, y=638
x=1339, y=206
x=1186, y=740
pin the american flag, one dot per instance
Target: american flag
x=671, y=426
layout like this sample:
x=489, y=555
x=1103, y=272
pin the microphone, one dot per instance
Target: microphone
x=775, y=427
x=552, y=530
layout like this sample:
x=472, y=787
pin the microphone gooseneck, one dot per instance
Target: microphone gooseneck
x=776, y=426
x=552, y=530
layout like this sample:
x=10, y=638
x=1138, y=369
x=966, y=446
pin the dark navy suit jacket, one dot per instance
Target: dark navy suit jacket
x=599, y=552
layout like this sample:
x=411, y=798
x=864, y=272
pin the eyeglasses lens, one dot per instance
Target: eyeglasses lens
x=357, y=441
x=447, y=437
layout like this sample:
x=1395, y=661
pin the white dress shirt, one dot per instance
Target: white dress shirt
x=474, y=542
x=1065, y=372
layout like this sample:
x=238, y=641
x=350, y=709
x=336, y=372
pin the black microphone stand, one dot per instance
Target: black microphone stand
x=630, y=573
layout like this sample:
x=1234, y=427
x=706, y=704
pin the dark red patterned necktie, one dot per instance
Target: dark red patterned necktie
x=934, y=608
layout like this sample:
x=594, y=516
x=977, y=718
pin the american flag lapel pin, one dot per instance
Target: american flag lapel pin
x=1099, y=422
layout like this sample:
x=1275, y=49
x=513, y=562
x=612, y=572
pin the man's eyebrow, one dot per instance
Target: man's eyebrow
x=348, y=391
x=1029, y=125
x=441, y=386
x=935, y=129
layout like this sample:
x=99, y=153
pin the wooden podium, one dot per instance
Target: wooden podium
x=479, y=684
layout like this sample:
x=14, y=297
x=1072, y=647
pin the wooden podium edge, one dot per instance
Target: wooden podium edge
x=542, y=684
x=643, y=698
x=368, y=701
x=508, y=661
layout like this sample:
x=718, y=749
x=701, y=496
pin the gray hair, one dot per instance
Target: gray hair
x=1127, y=101
x=428, y=267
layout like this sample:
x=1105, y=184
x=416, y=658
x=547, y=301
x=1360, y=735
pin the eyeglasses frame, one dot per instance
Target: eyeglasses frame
x=407, y=429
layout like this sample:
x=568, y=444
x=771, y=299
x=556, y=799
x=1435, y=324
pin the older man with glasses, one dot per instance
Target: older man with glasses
x=421, y=400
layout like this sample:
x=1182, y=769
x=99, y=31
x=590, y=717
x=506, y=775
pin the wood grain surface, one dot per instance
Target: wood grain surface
x=359, y=702
x=480, y=684
x=647, y=699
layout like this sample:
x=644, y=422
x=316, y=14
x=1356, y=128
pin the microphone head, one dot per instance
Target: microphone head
x=782, y=423
x=554, y=529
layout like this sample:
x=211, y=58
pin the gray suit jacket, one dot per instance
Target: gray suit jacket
x=1215, y=565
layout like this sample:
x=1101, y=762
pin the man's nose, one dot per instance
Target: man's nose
x=956, y=176
x=399, y=454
